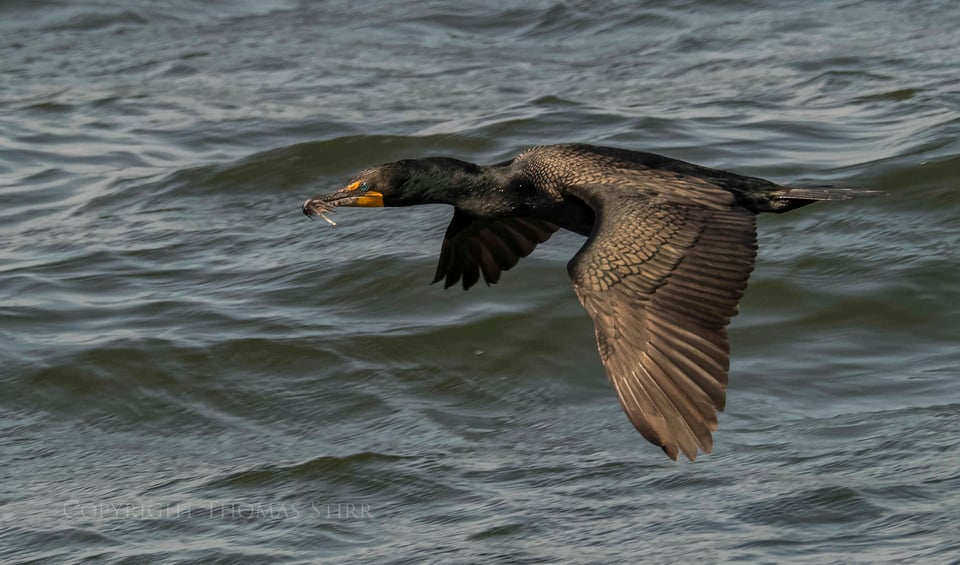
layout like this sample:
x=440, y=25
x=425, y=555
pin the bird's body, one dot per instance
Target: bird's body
x=671, y=245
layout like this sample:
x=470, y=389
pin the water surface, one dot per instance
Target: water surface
x=193, y=372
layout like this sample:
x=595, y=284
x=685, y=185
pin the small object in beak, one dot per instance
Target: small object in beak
x=318, y=208
x=329, y=221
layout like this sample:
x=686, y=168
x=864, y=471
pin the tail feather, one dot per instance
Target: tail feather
x=827, y=193
x=788, y=198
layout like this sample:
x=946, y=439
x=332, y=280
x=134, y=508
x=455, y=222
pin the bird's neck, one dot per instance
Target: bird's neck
x=470, y=187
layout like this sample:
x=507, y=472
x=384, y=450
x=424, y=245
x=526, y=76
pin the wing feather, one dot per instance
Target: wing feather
x=661, y=280
x=474, y=247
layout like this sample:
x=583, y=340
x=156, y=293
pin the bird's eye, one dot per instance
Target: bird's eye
x=364, y=187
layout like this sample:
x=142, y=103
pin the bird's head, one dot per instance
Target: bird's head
x=366, y=190
x=401, y=183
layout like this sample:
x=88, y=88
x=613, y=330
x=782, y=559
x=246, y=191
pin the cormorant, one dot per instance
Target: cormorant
x=671, y=245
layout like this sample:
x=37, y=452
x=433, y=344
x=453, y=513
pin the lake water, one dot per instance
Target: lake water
x=191, y=371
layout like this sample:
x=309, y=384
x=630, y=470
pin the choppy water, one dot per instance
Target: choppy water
x=192, y=371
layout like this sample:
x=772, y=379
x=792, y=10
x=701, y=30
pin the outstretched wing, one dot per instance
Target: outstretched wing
x=661, y=279
x=474, y=245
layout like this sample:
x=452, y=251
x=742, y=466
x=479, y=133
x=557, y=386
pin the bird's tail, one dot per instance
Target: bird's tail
x=827, y=193
x=796, y=196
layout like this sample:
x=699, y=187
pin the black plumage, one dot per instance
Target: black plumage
x=671, y=245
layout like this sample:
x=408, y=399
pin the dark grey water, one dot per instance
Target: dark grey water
x=192, y=371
